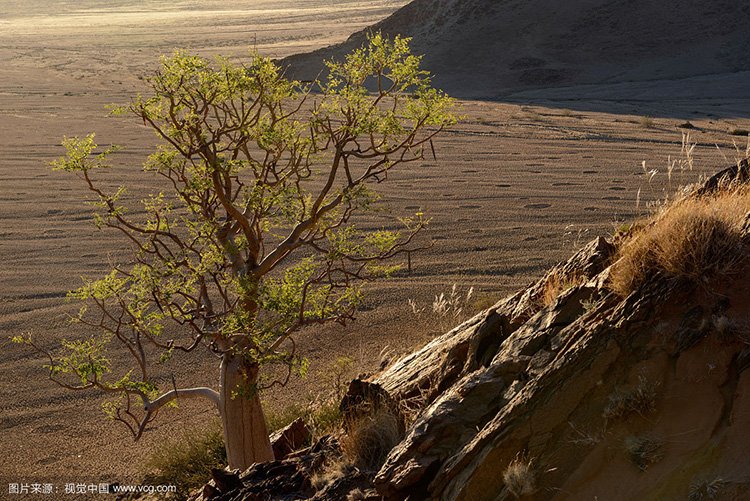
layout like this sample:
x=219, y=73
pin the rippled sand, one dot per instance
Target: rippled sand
x=514, y=188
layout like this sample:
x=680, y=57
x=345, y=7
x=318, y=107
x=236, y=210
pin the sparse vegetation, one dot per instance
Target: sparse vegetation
x=556, y=284
x=186, y=463
x=695, y=240
x=329, y=473
x=585, y=437
x=448, y=310
x=370, y=437
x=484, y=302
x=519, y=477
x=452, y=305
x=683, y=163
x=321, y=415
x=639, y=400
x=646, y=122
x=706, y=489
x=590, y=304
x=535, y=117
x=644, y=452
x=336, y=373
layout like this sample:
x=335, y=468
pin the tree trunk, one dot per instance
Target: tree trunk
x=245, y=432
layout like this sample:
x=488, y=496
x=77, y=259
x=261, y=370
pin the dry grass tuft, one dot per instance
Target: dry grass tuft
x=186, y=463
x=695, y=240
x=448, y=310
x=706, y=489
x=519, y=477
x=585, y=437
x=556, y=284
x=485, y=302
x=330, y=473
x=371, y=437
x=639, y=400
x=644, y=451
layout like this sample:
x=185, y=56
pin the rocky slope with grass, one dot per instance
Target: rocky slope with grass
x=620, y=375
x=487, y=48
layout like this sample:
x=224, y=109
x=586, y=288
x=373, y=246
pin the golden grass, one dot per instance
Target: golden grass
x=556, y=284
x=187, y=463
x=695, y=240
x=646, y=122
x=330, y=473
x=519, y=477
x=371, y=437
x=448, y=310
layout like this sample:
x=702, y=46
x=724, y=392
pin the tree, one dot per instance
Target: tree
x=255, y=238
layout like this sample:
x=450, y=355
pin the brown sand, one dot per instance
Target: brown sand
x=514, y=189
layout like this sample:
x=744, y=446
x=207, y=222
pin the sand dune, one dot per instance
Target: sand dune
x=491, y=48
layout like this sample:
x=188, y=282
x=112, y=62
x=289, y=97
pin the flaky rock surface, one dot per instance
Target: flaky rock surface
x=580, y=394
x=588, y=393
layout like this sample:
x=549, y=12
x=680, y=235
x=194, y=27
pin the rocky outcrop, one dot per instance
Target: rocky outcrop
x=449, y=430
x=272, y=480
x=289, y=439
x=563, y=391
x=589, y=395
x=734, y=175
x=420, y=377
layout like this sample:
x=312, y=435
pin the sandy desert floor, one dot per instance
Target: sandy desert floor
x=515, y=188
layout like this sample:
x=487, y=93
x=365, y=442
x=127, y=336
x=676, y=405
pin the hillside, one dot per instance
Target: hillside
x=491, y=48
x=619, y=375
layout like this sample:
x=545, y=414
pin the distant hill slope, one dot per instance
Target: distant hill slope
x=489, y=48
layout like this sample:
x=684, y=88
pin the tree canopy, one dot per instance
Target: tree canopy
x=255, y=238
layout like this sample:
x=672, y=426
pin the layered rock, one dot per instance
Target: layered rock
x=565, y=391
x=422, y=376
x=596, y=396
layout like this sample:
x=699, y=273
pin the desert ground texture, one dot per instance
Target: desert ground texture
x=514, y=188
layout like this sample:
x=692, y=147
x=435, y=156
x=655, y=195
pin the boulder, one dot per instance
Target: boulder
x=290, y=438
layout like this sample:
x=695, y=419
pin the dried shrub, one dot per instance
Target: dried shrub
x=370, y=437
x=644, y=451
x=519, y=477
x=639, y=400
x=556, y=284
x=585, y=437
x=331, y=472
x=706, y=489
x=695, y=240
x=646, y=122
